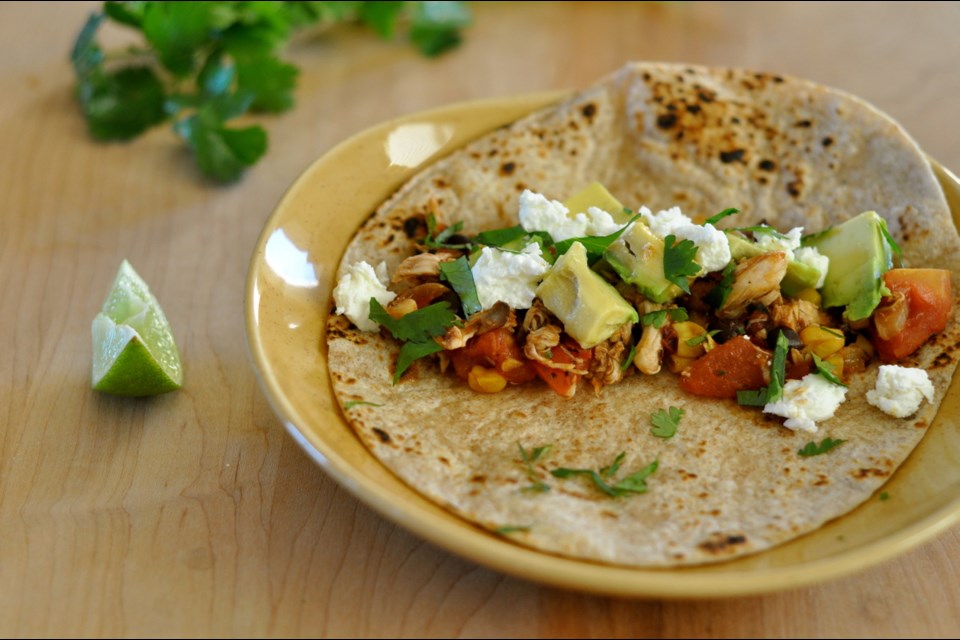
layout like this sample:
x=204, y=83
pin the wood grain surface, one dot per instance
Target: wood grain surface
x=194, y=514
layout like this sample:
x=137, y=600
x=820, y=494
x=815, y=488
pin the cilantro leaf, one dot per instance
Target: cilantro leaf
x=885, y=232
x=595, y=245
x=435, y=26
x=814, y=449
x=410, y=352
x=270, y=80
x=421, y=325
x=679, y=261
x=827, y=369
x=381, y=16
x=774, y=391
x=529, y=458
x=511, y=528
x=633, y=483
x=435, y=240
x=718, y=295
x=221, y=152
x=177, y=31
x=500, y=237
x=460, y=277
x=122, y=104
x=665, y=422
x=629, y=359
x=359, y=403
x=659, y=317
x=714, y=219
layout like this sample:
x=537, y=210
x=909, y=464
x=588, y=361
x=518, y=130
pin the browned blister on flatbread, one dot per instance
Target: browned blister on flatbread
x=730, y=482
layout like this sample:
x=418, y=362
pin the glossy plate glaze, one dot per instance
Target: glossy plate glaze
x=288, y=292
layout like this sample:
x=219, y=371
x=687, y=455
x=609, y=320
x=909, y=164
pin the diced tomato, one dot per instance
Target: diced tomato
x=564, y=382
x=496, y=349
x=929, y=296
x=735, y=365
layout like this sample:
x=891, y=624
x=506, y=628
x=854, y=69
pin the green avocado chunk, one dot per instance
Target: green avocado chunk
x=637, y=257
x=799, y=275
x=596, y=195
x=859, y=256
x=590, y=309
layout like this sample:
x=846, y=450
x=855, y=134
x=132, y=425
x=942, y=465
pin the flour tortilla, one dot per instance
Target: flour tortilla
x=730, y=482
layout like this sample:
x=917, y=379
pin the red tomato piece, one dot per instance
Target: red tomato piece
x=929, y=296
x=733, y=366
x=564, y=382
x=496, y=349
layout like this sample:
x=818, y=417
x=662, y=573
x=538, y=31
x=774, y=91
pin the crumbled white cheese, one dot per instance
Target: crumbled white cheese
x=900, y=390
x=508, y=276
x=807, y=401
x=663, y=223
x=713, y=246
x=813, y=258
x=352, y=294
x=538, y=213
x=772, y=240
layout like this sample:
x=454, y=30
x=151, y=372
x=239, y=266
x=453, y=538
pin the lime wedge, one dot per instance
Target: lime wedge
x=133, y=349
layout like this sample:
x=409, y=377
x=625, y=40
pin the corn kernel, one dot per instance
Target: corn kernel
x=485, y=380
x=510, y=364
x=837, y=361
x=688, y=331
x=810, y=295
x=677, y=363
x=822, y=341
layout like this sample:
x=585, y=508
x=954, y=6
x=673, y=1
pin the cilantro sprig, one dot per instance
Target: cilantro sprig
x=417, y=330
x=659, y=317
x=633, y=483
x=827, y=369
x=714, y=219
x=529, y=458
x=679, y=261
x=202, y=65
x=814, y=449
x=774, y=391
x=665, y=422
x=458, y=274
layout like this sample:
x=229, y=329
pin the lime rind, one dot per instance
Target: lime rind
x=134, y=350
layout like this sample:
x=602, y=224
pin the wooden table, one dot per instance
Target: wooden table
x=194, y=513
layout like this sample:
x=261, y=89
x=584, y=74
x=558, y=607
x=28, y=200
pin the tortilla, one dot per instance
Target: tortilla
x=730, y=482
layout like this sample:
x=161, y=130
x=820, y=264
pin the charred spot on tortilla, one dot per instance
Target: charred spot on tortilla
x=507, y=168
x=383, y=435
x=722, y=543
x=733, y=155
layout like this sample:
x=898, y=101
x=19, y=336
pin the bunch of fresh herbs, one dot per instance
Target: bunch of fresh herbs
x=204, y=64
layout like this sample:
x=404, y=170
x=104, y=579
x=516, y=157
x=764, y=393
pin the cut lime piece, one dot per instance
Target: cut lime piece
x=133, y=349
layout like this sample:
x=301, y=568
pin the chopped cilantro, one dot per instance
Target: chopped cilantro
x=595, y=245
x=695, y=340
x=773, y=391
x=626, y=363
x=658, y=317
x=885, y=232
x=814, y=449
x=359, y=403
x=438, y=240
x=511, y=528
x=833, y=332
x=760, y=228
x=416, y=330
x=718, y=295
x=529, y=458
x=827, y=369
x=679, y=261
x=714, y=219
x=460, y=277
x=633, y=483
x=884, y=496
x=500, y=237
x=665, y=422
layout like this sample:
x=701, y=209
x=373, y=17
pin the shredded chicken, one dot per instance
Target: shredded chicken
x=422, y=294
x=756, y=280
x=499, y=315
x=606, y=367
x=795, y=314
x=650, y=348
x=537, y=316
x=539, y=344
x=421, y=267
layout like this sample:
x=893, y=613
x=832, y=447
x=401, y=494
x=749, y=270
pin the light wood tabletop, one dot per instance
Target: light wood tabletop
x=195, y=513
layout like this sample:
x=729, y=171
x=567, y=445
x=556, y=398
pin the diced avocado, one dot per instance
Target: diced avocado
x=596, y=195
x=799, y=275
x=590, y=309
x=859, y=256
x=637, y=257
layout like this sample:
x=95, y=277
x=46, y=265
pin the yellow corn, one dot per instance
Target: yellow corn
x=822, y=341
x=677, y=363
x=810, y=295
x=837, y=361
x=510, y=364
x=485, y=380
x=686, y=331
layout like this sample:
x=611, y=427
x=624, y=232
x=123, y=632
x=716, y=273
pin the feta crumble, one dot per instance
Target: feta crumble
x=508, y=276
x=713, y=246
x=900, y=390
x=352, y=294
x=538, y=213
x=770, y=241
x=807, y=401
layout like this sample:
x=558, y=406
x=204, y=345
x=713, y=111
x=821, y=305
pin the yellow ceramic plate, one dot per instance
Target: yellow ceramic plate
x=287, y=302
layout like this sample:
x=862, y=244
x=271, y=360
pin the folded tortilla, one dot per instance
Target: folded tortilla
x=730, y=482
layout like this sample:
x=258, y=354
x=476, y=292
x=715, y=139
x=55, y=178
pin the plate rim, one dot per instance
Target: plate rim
x=475, y=544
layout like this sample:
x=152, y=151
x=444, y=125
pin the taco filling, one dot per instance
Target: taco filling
x=746, y=356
